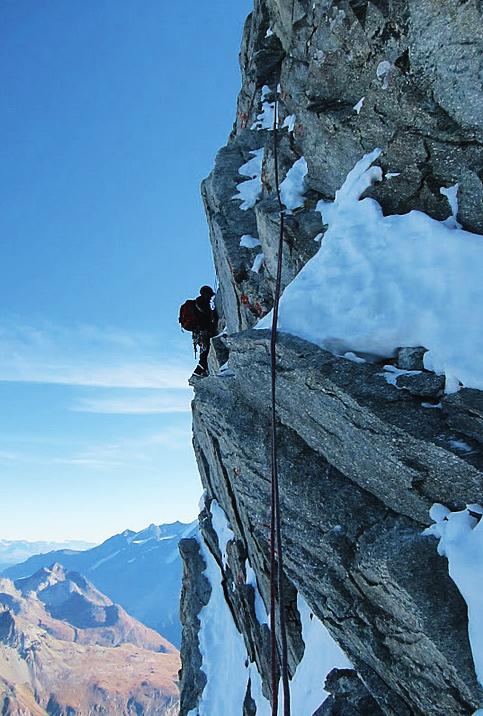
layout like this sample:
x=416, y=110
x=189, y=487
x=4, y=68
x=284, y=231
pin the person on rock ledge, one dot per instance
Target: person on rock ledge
x=199, y=317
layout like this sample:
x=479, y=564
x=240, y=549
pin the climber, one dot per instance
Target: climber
x=201, y=319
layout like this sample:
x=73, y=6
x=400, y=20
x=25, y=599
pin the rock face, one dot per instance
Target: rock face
x=364, y=452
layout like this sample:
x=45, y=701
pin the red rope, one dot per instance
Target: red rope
x=276, y=565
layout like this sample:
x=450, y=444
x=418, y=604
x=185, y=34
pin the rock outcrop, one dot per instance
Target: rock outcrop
x=362, y=458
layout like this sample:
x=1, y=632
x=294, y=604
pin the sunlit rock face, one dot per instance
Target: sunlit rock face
x=366, y=446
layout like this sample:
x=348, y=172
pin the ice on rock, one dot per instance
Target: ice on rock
x=380, y=282
x=292, y=187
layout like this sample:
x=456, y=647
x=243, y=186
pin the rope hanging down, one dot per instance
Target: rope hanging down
x=276, y=552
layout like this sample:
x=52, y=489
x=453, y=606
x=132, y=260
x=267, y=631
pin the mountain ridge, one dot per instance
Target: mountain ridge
x=141, y=571
x=66, y=648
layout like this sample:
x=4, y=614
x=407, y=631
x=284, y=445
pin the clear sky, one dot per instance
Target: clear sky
x=111, y=114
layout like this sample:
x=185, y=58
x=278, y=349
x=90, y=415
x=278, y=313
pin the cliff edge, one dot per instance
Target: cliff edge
x=372, y=433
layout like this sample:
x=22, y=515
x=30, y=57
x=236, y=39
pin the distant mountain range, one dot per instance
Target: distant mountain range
x=139, y=570
x=15, y=551
x=65, y=648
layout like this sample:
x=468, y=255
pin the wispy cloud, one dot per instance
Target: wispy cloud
x=89, y=356
x=168, y=401
x=136, y=452
x=143, y=452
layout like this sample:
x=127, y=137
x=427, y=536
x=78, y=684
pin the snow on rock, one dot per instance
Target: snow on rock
x=391, y=374
x=460, y=445
x=225, y=371
x=249, y=242
x=292, y=187
x=222, y=646
x=257, y=264
x=321, y=655
x=380, y=282
x=353, y=357
x=460, y=537
x=289, y=122
x=451, y=193
x=265, y=118
x=222, y=529
x=224, y=652
x=249, y=191
x=260, y=609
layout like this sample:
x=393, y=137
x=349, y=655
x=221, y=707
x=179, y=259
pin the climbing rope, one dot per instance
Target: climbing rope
x=276, y=552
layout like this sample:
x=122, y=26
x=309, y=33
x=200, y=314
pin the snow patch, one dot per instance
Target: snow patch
x=260, y=609
x=249, y=191
x=257, y=264
x=103, y=561
x=353, y=357
x=357, y=107
x=460, y=538
x=321, y=655
x=383, y=72
x=222, y=528
x=266, y=117
x=460, y=445
x=249, y=242
x=379, y=282
x=390, y=175
x=222, y=646
x=225, y=371
x=451, y=193
x=391, y=374
x=289, y=122
x=292, y=187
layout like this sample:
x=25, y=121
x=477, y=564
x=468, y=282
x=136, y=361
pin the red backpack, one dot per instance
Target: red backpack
x=189, y=316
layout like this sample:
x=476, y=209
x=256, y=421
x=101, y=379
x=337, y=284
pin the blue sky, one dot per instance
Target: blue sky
x=111, y=115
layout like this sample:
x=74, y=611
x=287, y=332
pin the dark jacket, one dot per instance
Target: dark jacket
x=208, y=318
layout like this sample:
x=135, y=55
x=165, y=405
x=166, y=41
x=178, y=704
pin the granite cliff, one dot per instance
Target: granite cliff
x=365, y=450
